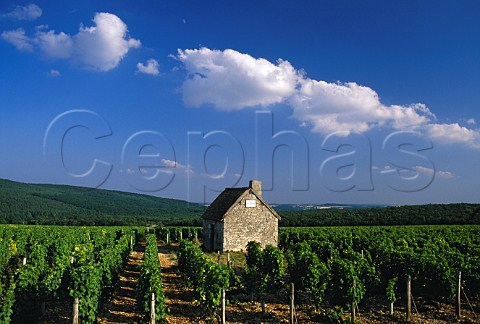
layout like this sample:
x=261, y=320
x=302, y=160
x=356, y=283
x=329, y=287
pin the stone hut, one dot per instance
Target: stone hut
x=237, y=216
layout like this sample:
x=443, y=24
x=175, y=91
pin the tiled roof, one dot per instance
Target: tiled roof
x=220, y=206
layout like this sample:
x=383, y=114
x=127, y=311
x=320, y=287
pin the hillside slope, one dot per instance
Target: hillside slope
x=67, y=205
x=61, y=204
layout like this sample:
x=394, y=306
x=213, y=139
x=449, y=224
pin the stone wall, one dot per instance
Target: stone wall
x=244, y=224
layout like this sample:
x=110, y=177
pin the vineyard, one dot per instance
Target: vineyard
x=78, y=264
x=336, y=268
x=331, y=268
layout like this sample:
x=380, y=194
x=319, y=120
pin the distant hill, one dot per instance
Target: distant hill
x=24, y=203
x=69, y=205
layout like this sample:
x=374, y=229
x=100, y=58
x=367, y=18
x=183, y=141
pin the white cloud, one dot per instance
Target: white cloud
x=471, y=121
x=454, y=133
x=439, y=174
x=169, y=163
x=54, y=73
x=351, y=107
x=57, y=46
x=418, y=169
x=230, y=80
x=18, y=39
x=103, y=46
x=29, y=12
x=100, y=47
x=445, y=174
x=187, y=169
x=150, y=68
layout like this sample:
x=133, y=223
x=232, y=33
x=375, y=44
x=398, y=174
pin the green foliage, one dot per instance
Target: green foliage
x=99, y=254
x=203, y=275
x=30, y=274
x=68, y=205
x=345, y=284
x=308, y=273
x=265, y=269
x=217, y=277
x=430, y=254
x=273, y=267
x=191, y=263
x=433, y=214
x=96, y=268
x=254, y=256
x=334, y=314
x=151, y=280
x=390, y=291
x=7, y=301
x=254, y=277
x=87, y=286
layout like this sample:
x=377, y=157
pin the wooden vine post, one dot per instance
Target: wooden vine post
x=223, y=306
x=409, y=298
x=152, y=309
x=352, y=309
x=292, y=304
x=75, y=310
x=458, y=300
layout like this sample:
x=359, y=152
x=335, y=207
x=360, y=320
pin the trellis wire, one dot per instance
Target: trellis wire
x=414, y=306
x=469, y=304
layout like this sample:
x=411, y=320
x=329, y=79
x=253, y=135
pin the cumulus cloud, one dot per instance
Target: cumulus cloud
x=29, y=12
x=230, y=80
x=351, y=107
x=57, y=46
x=454, y=133
x=187, y=169
x=471, y=121
x=18, y=38
x=150, y=68
x=100, y=47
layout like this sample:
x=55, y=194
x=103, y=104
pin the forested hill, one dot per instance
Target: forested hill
x=434, y=214
x=69, y=205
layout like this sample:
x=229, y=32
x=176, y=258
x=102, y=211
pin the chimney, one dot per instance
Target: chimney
x=256, y=185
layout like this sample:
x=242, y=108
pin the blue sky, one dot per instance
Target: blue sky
x=325, y=101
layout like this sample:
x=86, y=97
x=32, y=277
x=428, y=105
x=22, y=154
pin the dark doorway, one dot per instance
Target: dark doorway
x=211, y=234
